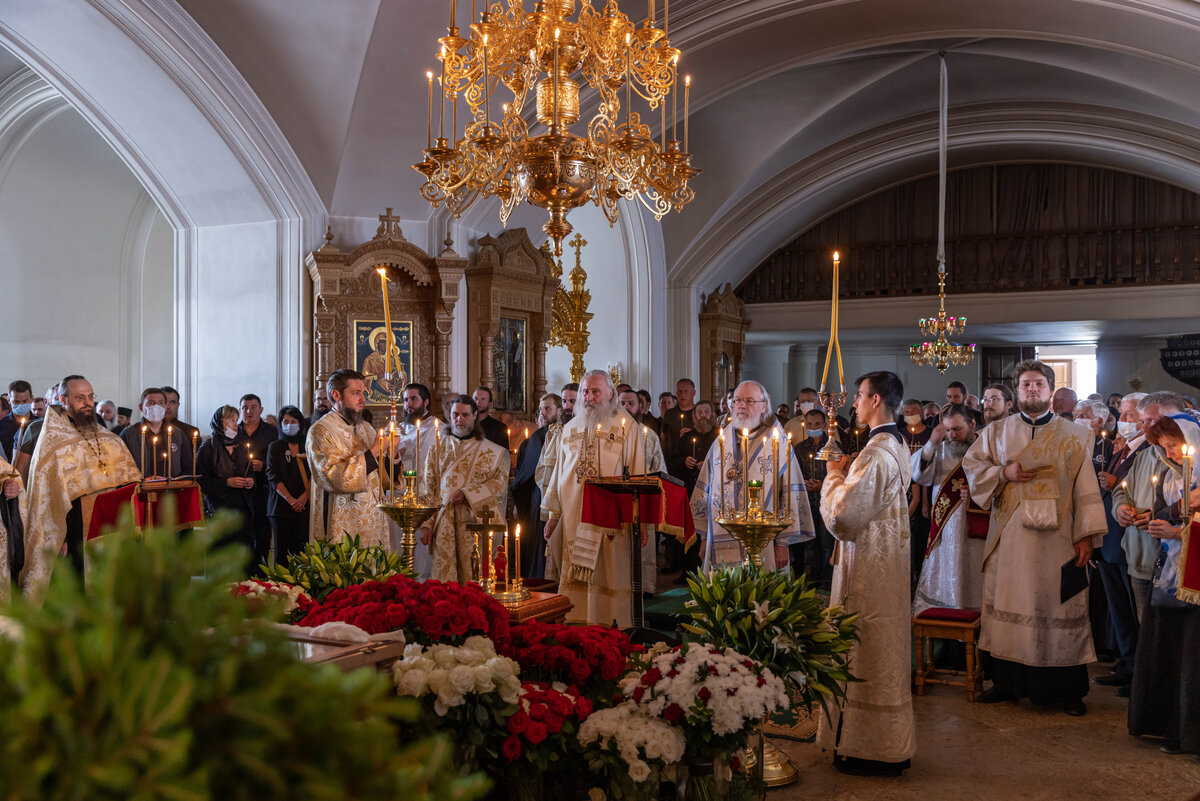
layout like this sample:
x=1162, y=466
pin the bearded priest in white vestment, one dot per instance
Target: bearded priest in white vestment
x=952, y=573
x=595, y=571
x=471, y=474
x=1034, y=471
x=76, y=460
x=751, y=411
x=343, y=453
x=867, y=512
x=418, y=431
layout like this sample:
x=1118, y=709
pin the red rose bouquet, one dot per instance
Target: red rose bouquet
x=543, y=728
x=590, y=658
x=428, y=612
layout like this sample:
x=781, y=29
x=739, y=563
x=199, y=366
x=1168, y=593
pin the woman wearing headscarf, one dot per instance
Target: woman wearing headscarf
x=223, y=470
x=290, y=482
x=1165, y=697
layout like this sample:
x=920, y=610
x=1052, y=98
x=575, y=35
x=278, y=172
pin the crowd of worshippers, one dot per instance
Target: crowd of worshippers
x=1003, y=492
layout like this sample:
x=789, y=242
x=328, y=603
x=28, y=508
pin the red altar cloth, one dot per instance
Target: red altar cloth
x=667, y=511
x=1189, y=563
x=189, y=507
x=103, y=511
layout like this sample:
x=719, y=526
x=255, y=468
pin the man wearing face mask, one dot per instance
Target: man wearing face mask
x=951, y=575
x=77, y=459
x=24, y=451
x=157, y=451
x=469, y=474
x=813, y=557
x=20, y=398
x=805, y=402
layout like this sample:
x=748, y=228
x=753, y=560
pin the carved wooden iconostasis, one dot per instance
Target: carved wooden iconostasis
x=510, y=294
x=723, y=326
x=348, y=315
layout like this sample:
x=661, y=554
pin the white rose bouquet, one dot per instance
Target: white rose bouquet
x=630, y=744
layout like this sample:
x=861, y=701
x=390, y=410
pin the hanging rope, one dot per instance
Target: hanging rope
x=943, y=114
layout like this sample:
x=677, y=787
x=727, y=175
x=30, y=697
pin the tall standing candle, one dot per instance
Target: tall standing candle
x=507, y=559
x=764, y=465
x=20, y=435
x=490, y=553
x=170, y=448
x=745, y=469
x=379, y=468
x=721, y=470
x=787, y=483
x=417, y=454
x=387, y=321
x=154, y=453
x=645, y=450
x=195, y=440
x=516, y=568
x=598, y=473
x=775, y=464
x=143, y=450
x=623, y=463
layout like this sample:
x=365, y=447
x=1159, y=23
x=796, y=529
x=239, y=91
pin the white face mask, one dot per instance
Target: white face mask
x=291, y=429
x=912, y=419
x=154, y=414
x=1127, y=430
x=807, y=406
x=230, y=433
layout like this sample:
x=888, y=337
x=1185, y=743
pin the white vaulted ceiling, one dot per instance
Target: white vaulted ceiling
x=799, y=107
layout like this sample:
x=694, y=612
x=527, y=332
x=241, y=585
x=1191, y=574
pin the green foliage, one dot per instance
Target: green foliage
x=778, y=620
x=154, y=684
x=323, y=567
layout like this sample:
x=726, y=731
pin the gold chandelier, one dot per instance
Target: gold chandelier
x=941, y=352
x=555, y=169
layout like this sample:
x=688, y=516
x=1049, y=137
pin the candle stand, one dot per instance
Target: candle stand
x=408, y=509
x=753, y=528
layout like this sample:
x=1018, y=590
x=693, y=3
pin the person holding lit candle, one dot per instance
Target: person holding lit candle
x=473, y=474
x=1162, y=693
x=752, y=419
x=594, y=571
x=153, y=408
x=526, y=488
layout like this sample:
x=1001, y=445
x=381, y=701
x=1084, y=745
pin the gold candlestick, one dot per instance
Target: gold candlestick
x=832, y=401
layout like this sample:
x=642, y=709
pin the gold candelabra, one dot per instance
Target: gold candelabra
x=748, y=518
x=831, y=451
x=555, y=169
x=569, y=313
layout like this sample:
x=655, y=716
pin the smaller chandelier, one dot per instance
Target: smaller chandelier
x=942, y=353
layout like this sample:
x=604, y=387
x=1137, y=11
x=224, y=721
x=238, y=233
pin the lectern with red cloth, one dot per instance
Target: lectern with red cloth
x=102, y=511
x=1189, y=563
x=614, y=503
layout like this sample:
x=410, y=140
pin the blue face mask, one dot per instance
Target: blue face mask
x=815, y=433
x=291, y=429
x=22, y=409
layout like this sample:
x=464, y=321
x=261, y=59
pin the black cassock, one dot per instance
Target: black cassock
x=10, y=513
x=527, y=498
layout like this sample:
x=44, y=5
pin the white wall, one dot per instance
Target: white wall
x=88, y=265
x=1119, y=362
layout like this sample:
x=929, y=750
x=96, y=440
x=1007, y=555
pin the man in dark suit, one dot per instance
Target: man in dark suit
x=813, y=557
x=527, y=495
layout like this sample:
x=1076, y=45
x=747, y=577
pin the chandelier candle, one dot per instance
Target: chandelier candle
x=429, y=131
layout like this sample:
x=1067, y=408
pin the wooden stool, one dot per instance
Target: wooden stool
x=948, y=624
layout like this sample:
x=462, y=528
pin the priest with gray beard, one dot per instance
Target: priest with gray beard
x=951, y=574
x=594, y=570
x=469, y=474
x=76, y=460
